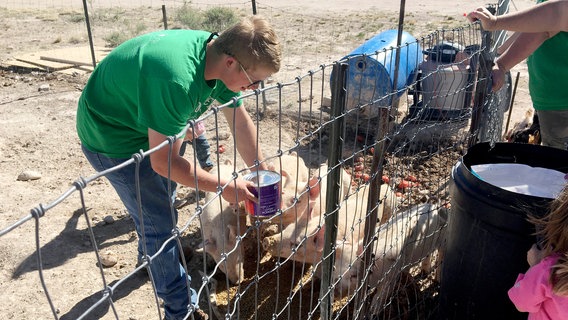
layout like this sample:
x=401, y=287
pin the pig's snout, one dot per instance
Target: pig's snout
x=235, y=274
x=278, y=246
x=268, y=243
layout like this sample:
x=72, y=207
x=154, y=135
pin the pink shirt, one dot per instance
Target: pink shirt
x=532, y=293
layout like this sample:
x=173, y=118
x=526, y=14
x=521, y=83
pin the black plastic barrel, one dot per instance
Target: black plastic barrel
x=488, y=234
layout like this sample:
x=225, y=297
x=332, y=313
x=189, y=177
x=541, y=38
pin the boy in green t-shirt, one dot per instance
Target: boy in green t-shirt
x=147, y=89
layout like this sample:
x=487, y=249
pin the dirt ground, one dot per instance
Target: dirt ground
x=37, y=137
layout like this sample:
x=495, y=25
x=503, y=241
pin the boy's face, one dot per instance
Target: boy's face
x=241, y=78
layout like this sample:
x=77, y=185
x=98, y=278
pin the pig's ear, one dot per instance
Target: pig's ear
x=288, y=180
x=231, y=233
x=315, y=187
x=208, y=245
x=271, y=166
x=319, y=239
x=360, y=248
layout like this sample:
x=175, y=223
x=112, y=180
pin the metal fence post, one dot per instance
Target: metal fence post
x=338, y=96
x=373, y=206
x=89, y=33
x=164, y=17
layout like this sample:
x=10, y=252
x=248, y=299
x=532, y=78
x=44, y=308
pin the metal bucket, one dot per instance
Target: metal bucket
x=267, y=190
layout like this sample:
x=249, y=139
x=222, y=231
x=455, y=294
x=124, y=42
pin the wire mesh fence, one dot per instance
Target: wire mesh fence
x=364, y=144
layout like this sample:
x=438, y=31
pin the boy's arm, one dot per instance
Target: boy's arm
x=244, y=131
x=168, y=162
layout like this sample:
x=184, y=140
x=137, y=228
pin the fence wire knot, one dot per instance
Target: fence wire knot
x=80, y=183
x=175, y=232
x=138, y=157
x=38, y=212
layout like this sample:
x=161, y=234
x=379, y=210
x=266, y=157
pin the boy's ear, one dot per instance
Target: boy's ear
x=230, y=61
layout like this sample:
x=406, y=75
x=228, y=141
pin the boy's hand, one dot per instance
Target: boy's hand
x=238, y=190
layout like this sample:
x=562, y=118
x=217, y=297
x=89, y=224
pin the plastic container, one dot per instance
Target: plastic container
x=370, y=78
x=443, y=86
x=488, y=235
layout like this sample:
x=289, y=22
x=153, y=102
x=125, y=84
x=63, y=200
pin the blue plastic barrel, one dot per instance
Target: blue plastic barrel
x=370, y=78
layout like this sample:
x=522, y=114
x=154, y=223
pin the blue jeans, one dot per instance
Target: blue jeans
x=170, y=277
x=202, y=150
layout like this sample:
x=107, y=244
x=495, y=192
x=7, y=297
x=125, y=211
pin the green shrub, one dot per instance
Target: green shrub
x=115, y=38
x=214, y=19
x=74, y=17
x=218, y=19
x=189, y=17
x=75, y=40
x=140, y=28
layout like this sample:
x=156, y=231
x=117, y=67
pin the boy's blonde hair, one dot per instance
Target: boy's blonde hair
x=252, y=42
x=553, y=228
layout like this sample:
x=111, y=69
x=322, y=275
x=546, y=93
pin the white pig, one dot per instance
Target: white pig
x=281, y=244
x=220, y=225
x=294, y=166
x=294, y=195
x=304, y=240
x=408, y=238
x=298, y=194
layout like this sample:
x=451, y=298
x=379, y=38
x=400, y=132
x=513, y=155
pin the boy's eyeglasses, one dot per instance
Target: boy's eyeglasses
x=252, y=83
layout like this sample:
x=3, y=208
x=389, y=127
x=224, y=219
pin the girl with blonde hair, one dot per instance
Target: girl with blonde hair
x=543, y=290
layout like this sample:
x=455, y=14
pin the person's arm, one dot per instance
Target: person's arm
x=507, y=43
x=532, y=288
x=547, y=16
x=519, y=50
x=182, y=171
x=194, y=132
x=244, y=131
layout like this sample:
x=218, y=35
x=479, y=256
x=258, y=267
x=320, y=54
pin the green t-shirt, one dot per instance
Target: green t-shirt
x=548, y=74
x=152, y=81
